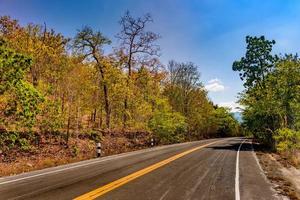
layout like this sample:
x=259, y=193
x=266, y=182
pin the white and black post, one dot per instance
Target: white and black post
x=98, y=149
x=152, y=142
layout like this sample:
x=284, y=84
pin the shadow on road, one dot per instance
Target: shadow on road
x=233, y=147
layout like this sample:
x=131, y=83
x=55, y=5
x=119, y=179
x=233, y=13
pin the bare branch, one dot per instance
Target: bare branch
x=135, y=40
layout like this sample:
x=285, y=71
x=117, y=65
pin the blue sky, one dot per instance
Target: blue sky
x=210, y=33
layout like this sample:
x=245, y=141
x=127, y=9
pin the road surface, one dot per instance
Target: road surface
x=208, y=169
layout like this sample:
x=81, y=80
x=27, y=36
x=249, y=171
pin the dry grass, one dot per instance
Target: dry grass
x=273, y=170
x=295, y=159
x=48, y=155
x=288, y=158
x=54, y=154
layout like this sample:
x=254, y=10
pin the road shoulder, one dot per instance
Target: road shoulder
x=284, y=179
x=253, y=182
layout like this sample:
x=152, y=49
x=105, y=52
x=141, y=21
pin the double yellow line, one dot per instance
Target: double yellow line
x=115, y=184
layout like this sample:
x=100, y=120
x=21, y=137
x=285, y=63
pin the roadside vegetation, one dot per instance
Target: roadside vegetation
x=59, y=95
x=271, y=97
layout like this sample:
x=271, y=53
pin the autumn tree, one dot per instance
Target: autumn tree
x=187, y=96
x=60, y=91
x=46, y=48
x=136, y=43
x=184, y=78
x=90, y=44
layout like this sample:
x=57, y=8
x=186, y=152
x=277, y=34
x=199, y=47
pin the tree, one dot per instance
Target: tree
x=227, y=125
x=187, y=96
x=271, y=97
x=48, y=90
x=19, y=98
x=45, y=47
x=184, y=78
x=90, y=44
x=285, y=81
x=136, y=42
x=257, y=63
x=168, y=126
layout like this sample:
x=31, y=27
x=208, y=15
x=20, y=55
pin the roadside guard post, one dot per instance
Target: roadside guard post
x=152, y=142
x=98, y=149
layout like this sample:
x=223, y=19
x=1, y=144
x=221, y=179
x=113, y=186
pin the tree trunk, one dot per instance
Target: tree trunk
x=68, y=129
x=94, y=115
x=100, y=119
x=34, y=77
x=126, y=97
x=78, y=121
x=63, y=103
x=107, y=106
x=106, y=100
x=125, y=113
x=105, y=91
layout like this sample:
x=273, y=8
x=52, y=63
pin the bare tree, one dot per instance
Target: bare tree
x=186, y=77
x=136, y=42
x=90, y=44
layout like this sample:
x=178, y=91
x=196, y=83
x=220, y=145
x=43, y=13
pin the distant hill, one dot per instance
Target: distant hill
x=238, y=116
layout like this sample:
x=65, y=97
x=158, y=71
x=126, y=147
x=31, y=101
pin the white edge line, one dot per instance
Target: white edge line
x=276, y=195
x=89, y=163
x=237, y=174
x=257, y=161
x=59, y=170
x=76, y=165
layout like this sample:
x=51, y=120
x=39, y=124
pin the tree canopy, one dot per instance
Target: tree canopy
x=69, y=87
x=272, y=93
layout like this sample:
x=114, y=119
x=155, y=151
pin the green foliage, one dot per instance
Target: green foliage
x=272, y=94
x=24, y=144
x=227, y=124
x=8, y=140
x=89, y=43
x=95, y=136
x=75, y=151
x=24, y=104
x=27, y=98
x=51, y=117
x=13, y=67
x=257, y=62
x=287, y=139
x=12, y=139
x=188, y=97
x=168, y=126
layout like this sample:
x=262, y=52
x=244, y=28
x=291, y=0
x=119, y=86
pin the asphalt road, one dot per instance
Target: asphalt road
x=208, y=169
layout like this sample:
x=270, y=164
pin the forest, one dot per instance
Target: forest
x=56, y=90
x=271, y=96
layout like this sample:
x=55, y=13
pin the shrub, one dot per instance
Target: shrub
x=24, y=144
x=13, y=139
x=75, y=151
x=287, y=140
x=168, y=126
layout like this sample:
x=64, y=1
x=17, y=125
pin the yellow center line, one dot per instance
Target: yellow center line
x=117, y=183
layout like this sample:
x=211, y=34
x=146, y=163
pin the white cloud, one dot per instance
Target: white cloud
x=233, y=106
x=215, y=85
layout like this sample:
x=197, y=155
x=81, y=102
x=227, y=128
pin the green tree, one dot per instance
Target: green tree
x=271, y=96
x=20, y=98
x=168, y=126
x=187, y=96
x=257, y=62
x=226, y=123
x=90, y=43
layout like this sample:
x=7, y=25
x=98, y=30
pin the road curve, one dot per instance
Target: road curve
x=206, y=169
